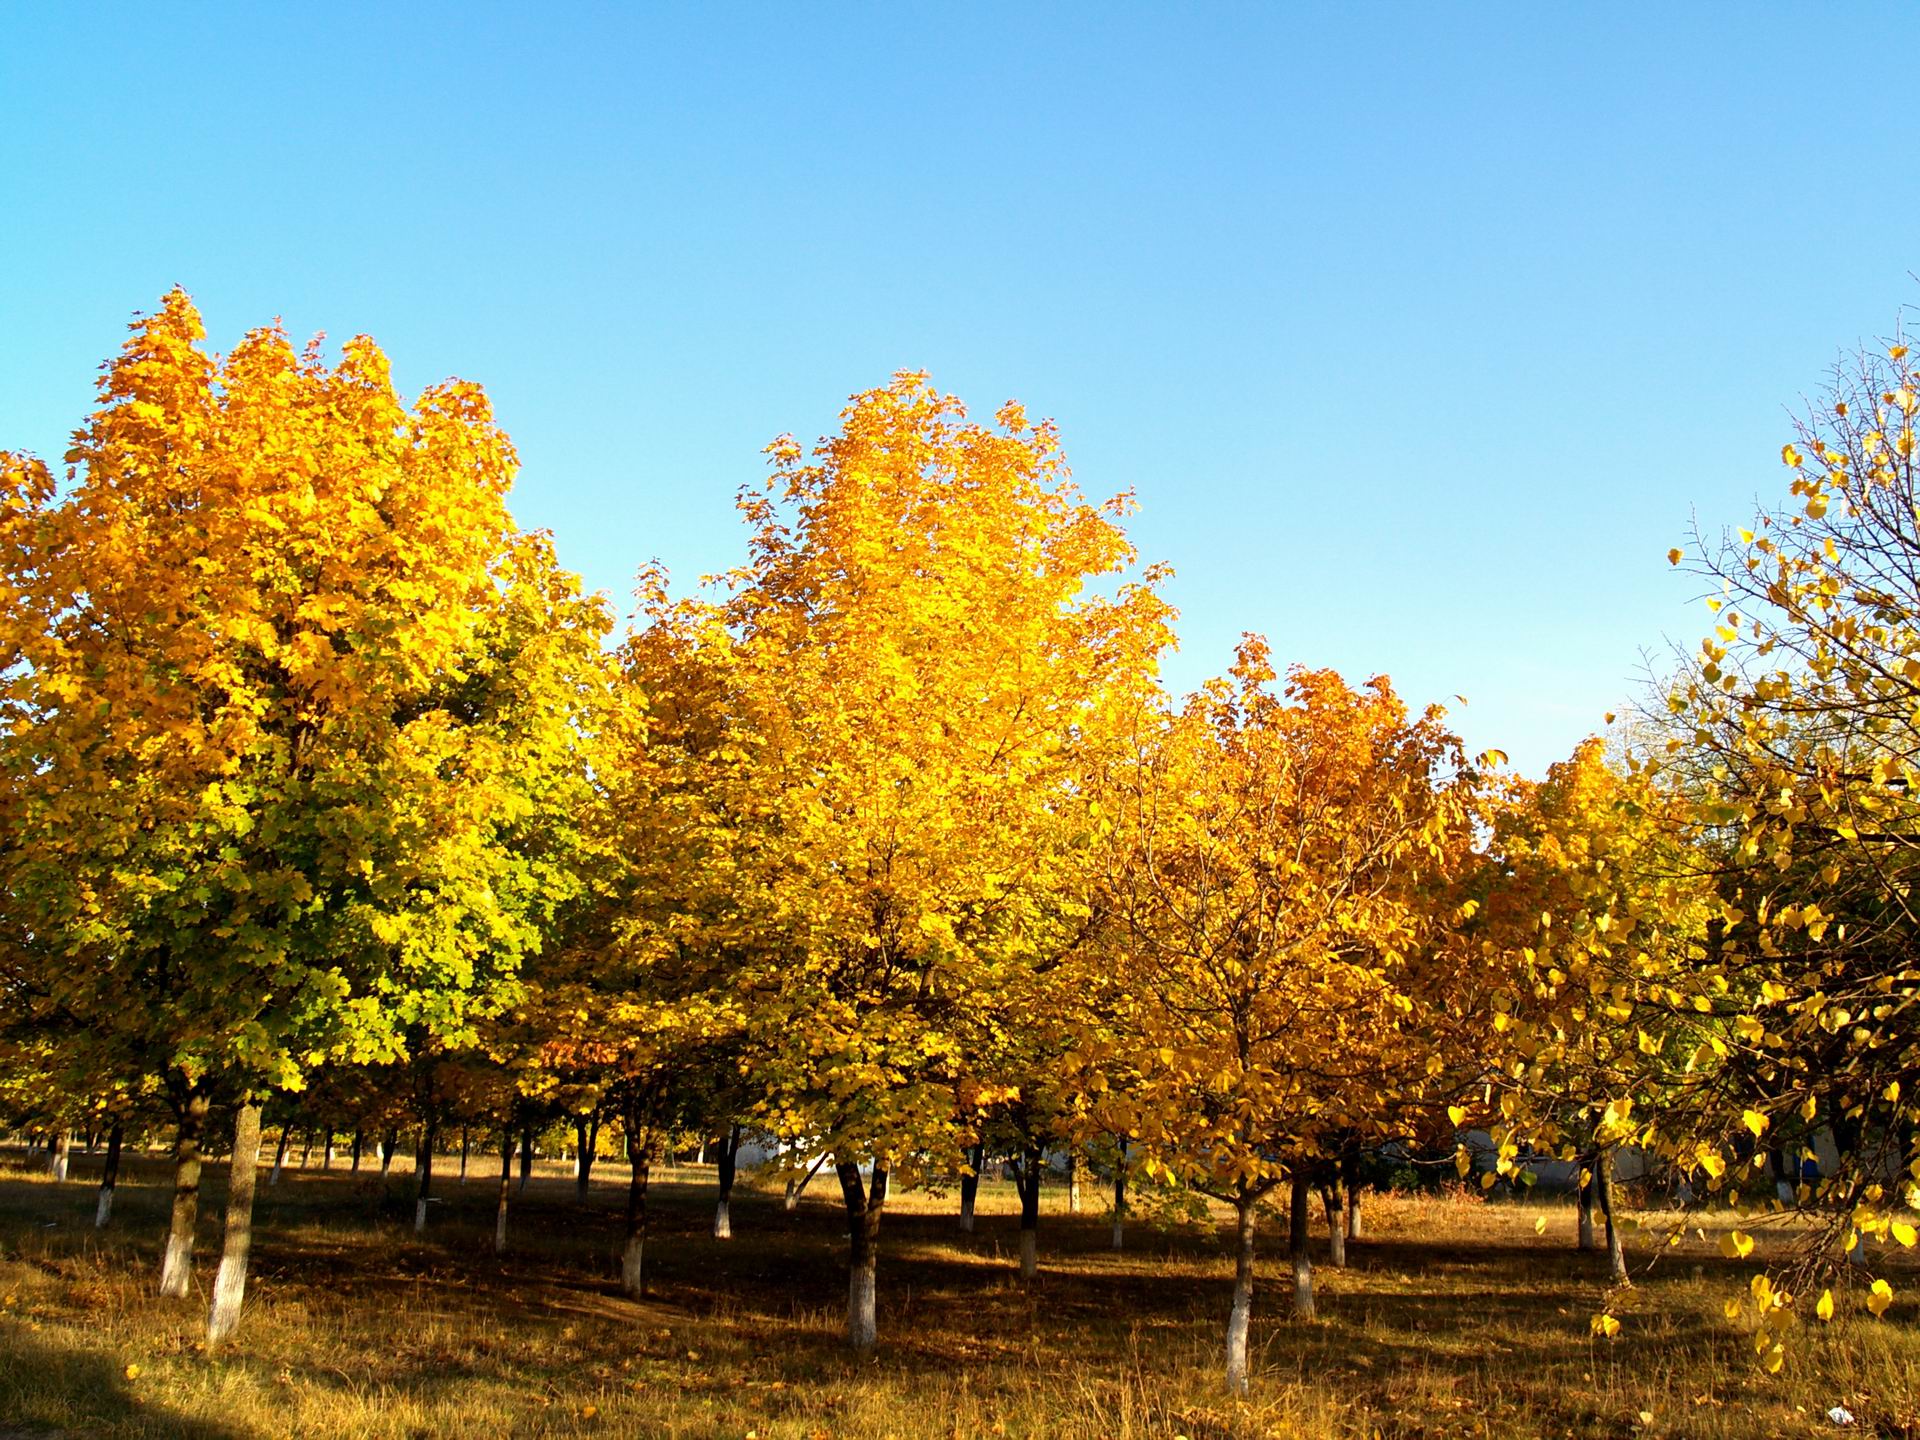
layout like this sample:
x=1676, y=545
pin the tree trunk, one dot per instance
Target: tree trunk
x=633, y=1276
x=359, y=1140
x=109, y=1177
x=727, y=1162
x=230, y=1282
x=423, y=1173
x=1297, y=1242
x=863, y=1230
x=62, y=1154
x=1603, y=1186
x=1586, y=1202
x=1120, y=1198
x=526, y=1157
x=1030, y=1211
x=796, y=1190
x=583, y=1156
x=1350, y=1175
x=389, y=1141
x=1073, y=1181
x=1336, y=1208
x=970, y=1186
x=1239, y=1319
x=279, y=1156
x=306, y=1146
x=326, y=1152
x=176, y=1267
x=506, y=1181
x=464, y=1138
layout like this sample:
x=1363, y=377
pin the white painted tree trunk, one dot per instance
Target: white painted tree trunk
x=1336, y=1227
x=230, y=1282
x=176, y=1265
x=1240, y=1317
x=722, y=1222
x=103, y=1208
x=1298, y=1237
x=62, y=1150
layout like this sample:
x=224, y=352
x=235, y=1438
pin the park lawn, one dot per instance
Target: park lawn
x=1454, y=1318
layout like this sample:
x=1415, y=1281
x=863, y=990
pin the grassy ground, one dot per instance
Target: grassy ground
x=1456, y=1319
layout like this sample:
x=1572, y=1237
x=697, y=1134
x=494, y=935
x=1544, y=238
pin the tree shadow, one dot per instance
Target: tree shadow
x=49, y=1392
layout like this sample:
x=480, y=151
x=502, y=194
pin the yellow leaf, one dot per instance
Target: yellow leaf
x=1674, y=555
x=1754, y=1121
x=1879, y=1297
x=1540, y=1225
x=1903, y=1232
x=1736, y=1245
x=133, y=1372
x=1457, y=1115
x=1825, y=1308
x=1731, y=1309
x=1605, y=1326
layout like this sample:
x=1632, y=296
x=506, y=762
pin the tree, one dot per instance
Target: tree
x=275, y=746
x=1272, y=853
x=915, y=647
x=1608, y=1024
x=1799, y=719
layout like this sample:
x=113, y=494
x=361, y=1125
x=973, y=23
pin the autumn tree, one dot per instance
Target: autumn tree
x=929, y=613
x=278, y=734
x=1270, y=848
x=1800, y=719
x=1609, y=1022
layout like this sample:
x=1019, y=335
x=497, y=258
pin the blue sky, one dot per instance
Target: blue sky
x=1421, y=332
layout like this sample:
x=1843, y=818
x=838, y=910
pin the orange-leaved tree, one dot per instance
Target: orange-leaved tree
x=1277, y=866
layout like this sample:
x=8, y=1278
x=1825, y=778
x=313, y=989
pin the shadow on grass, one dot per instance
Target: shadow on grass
x=47, y=1392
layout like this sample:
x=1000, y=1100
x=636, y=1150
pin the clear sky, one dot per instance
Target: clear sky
x=1420, y=331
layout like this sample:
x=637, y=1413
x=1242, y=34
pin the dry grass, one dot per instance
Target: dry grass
x=1456, y=1320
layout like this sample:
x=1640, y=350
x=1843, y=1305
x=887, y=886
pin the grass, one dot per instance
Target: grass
x=1454, y=1319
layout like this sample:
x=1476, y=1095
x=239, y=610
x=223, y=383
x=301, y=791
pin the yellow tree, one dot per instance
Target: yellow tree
x=1609, y=1021
x=918, y=644
x=1276, y=853
x=270, y=775
x=1800, y=718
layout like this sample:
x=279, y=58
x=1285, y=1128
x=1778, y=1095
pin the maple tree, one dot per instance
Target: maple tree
x=912, y=650
x=275, y=720
x=1271, y=849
